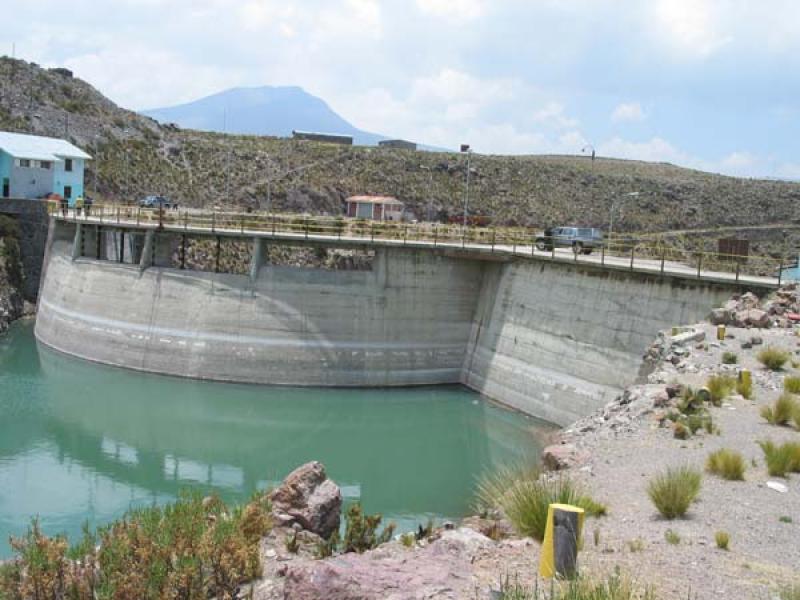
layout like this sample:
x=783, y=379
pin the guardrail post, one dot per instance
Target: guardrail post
x=464, y=238
x=273, y=225
x=494, y=232
x=602, y=255
x=372, y=231
x=780, y=273
x=216, y=259
x=306, y=224
x=553, y=251
x=183, y=251
x=213, y=221
x=633, y=254
x=242, y=223
x=663, y=258
x=186, y=219
x=699, y=263
x=161, y=216
x=435, y=235
x=118, y=215
x=405, y=234
x=737, y=269
x=138, y=215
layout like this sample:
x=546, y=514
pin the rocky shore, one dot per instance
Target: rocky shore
x=613, y=454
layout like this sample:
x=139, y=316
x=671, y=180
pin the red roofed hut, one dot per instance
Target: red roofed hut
x=375, y=208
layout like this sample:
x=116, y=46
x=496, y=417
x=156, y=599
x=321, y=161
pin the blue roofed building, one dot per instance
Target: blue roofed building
x=33, y=166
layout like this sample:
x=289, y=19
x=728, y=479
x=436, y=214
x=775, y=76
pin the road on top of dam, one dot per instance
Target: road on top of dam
x=498, y=251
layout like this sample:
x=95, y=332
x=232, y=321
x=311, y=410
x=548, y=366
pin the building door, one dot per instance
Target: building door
x=6, y=188
x=68, y=192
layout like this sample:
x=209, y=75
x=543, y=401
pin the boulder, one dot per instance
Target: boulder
x=440, y=570
x=720, y=316
x=308, y=498
x=563, y=456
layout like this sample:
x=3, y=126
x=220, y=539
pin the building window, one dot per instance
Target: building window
x=67, y=192
x=45, y=164
x=24, y=162
x=68, y=165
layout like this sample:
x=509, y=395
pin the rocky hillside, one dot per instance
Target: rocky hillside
x=135, y=155
x=11, y=302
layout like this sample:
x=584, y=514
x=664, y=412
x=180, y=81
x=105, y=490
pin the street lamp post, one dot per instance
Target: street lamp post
x=611, y=212
x=466, y=149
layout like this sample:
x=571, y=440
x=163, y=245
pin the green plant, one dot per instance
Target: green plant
x=326, y=548
x=773, y=358
x=785, y=519
x=291, y=542
x=424, y=532
x=672, y=537
x=361, y=531
x=729, y=358
x=720, y=387
x=782, y=411
x=681, y=431
x=673, y=491
x=596, y=536
x=525, y=497
x=408, y=540
x=791, y=384
x=790, y=592
x=781, y=459
x=722, y=539
x=728, y=464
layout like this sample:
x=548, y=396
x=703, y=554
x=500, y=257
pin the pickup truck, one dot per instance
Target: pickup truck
x=155, y=202
x=582, y=240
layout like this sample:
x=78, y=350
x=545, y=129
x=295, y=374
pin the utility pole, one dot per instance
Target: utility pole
x=466, y=149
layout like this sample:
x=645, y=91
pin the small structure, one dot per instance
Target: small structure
x=329, y=138
x=32, y=166
x=375, y=208
x=398, y=144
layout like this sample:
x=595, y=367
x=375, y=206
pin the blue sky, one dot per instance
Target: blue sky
x=711, y=84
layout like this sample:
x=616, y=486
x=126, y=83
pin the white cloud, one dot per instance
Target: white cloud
x=692, y=28
x=628, y=111
x=462, y=10
x=553, y=113
x=656, y=150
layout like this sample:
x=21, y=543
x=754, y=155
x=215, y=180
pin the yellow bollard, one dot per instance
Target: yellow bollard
x=721, y=332
x=562, y=540
x=745, y=377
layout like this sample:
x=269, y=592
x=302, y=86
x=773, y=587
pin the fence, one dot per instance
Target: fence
x=646, y=252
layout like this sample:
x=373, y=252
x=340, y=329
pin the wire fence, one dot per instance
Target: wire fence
x=636, y=253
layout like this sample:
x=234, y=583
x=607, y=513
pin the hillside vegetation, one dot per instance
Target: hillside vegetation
x=135, y=155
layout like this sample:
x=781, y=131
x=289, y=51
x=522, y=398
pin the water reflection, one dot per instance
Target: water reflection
x=81, y=441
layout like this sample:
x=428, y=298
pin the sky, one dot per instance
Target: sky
x=709, y=84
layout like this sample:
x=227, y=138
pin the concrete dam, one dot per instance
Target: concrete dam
x=553, y=339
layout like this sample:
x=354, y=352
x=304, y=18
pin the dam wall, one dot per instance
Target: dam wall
x=554, y=340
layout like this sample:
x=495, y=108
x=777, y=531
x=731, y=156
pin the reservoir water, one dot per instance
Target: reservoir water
x=80, y=441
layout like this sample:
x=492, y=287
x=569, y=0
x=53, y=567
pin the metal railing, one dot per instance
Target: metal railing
x=634, y=253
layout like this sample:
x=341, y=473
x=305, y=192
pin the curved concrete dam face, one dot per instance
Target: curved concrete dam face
x=553, y=340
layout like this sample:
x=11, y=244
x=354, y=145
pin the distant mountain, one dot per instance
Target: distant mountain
x=261, y=111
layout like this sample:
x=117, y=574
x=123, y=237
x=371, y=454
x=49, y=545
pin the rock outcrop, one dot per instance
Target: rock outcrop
x=309, y=499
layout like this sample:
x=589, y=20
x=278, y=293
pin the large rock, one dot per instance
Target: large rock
x=720, y=316
x=563, y=456
x=307, y=497
x=754, y=317
x=438, y=571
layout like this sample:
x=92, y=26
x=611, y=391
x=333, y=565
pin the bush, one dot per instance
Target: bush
x=773, y=358
x=720, y=387
x=791, y=384
x=729, y=358
x=361, y=531
x=782, y=411
x=673, y=491
x=728, y=464
x=525, y=497
x=790, y=592
x=188, y=549
x=723, y=540
x=781, y=459
x=672, y=537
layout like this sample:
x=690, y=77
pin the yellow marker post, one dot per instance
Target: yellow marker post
x=560, y=541
x=721, y=333
x=745, y=378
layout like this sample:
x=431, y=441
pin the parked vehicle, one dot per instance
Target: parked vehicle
x=155, y=202
x=582, y=240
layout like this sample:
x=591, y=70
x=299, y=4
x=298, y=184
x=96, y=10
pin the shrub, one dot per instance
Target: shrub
x=720, y=387
x=361, y=531
x=673, y=491
x=790, y=592
x=636, y=545
x=525, y=497
x=681, y=431
x=796, y=417
x=672, y=537
x=781, y=459
x=729, y=358
x=408, y=540
x=782, y=411
x=773, y=358
x=785, y=519
x=722, y=539
x=728, y=464
x=791, y=384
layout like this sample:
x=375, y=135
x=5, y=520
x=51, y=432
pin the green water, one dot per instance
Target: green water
x=81, y=441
